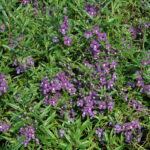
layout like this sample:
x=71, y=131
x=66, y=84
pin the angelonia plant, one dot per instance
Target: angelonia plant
x=74, y=75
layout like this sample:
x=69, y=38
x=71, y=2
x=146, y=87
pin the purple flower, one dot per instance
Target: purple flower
x=129, y=136
x=102, y=36
x=146, y=62
x=96, y=29
x=134, y=31
x=3, y=84
x=88, y=34
x=37, y=141
x=80, y=102
x=2, y=28
x=55, y=39
x=65, y=10
x=52, y=101
x=63, y=29
x=4, y=127
x=61, y=133
x=66, y=20
x=95, y=45
x=140, y=82
x=136, y=105
x=25, y=1
x=113, y=65
x=131, y=84
x=72, y=91
x=108, y=46
x=100, y=133
x=26, y=64
x=147, y=88
x=102, y=105
x=147, y=25
x=67, y=41
x=91, y=10
x=111, y=105
x=110, y=84
x=117, y=128
x=12, y=44
x=35, y=4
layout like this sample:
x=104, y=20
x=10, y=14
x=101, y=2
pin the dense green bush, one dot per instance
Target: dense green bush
x=74, y=75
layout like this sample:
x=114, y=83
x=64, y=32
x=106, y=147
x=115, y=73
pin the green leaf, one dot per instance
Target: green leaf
x=50, y=118
x=14, y=106
x=19, y=143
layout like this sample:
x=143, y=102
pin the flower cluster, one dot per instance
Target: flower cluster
x=140, y=83
x=25, y=1
x=14, y=42
x=146, y=60
x=92, y=10
x=100, y=134
x=64, y=27
x=136, y=105
x=4, y=127
x=60, y=82
x=88, y=105
x=105, y=73
x=88, y=34
x=63, y=30
x=29, y=133
x=131, y=130
x=95, y=45
x=139, y=80
x=22, y=66
x=2, y=28
x=67, y=41
x=3, y=84
x=134, y=31
x=103, y=105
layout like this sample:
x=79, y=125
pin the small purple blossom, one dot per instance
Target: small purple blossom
x=55, y=39
x=100, y=134
x=4, y=127
x=102, y=36
x=88, y=34
x=61, y=133
x=110, y=84
x=3, y=84
x=111, y=106
x=52, y=101
x=63, y=28
x=134, y=31
x=102, y=105
x=91, y=10
x=137, y=106
x=96, y=29
x=67, y=41
x=65, y=10
x=95, y=46
x=25, y=1
x=2, y=28
x=117, y=128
